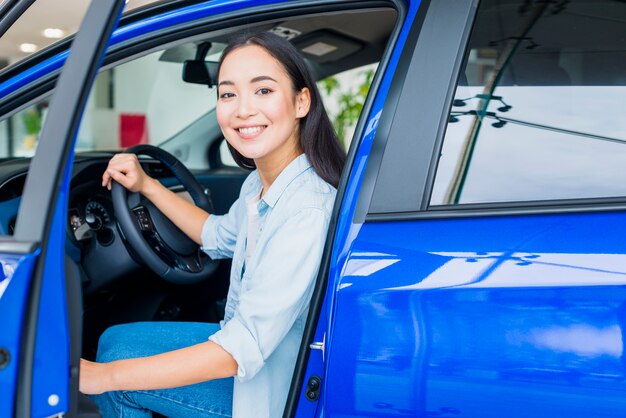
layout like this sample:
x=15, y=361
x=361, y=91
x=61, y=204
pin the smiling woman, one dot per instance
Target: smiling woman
x=290, y=82
x=258, y=107
x=271, y=114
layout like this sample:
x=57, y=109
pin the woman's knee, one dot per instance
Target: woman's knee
x=116, y=343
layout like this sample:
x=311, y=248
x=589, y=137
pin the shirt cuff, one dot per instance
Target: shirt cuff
x=237, y=341
x=209, y=236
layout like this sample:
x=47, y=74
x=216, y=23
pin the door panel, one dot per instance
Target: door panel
x=506, y=316
x=16, y=272
x=44, y=373
x=505, y=306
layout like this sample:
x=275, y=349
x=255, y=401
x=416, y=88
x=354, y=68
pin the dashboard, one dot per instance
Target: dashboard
x=92, y=236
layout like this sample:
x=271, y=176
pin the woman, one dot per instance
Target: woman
x=270, y=112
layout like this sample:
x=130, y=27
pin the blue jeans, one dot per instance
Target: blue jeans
x=208, y=399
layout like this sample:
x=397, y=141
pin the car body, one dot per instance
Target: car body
x=475, y=263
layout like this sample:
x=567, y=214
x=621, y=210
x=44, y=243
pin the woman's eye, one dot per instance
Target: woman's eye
x=263, y=91
x=226, y=95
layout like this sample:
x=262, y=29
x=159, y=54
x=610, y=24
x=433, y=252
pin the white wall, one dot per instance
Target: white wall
x=144, y=86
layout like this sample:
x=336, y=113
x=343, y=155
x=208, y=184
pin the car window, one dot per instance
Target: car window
x=145, y=100
x=141, y=101
x=537, y=113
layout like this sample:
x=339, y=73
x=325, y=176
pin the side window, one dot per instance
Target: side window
x=19, y=133
x=538, y=110
x=146, y=101
x=343, y=95
x=141, y=101
x=44, y=23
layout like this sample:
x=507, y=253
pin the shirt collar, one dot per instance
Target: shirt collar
x=294, y=169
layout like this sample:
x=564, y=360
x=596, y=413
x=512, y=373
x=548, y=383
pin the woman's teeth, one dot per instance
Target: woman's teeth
x=250, y=130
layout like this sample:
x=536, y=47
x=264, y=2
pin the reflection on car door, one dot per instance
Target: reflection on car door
x=505, y=307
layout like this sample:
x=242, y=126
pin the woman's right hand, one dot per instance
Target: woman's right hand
x=126, y=170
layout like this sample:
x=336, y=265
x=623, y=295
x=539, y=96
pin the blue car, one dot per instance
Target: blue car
x=476, y=260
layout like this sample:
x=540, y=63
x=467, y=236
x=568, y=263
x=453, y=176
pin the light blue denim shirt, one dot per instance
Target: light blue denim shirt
x=268, y=299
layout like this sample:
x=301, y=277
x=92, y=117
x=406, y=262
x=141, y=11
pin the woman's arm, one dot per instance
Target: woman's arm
x=189, y=365
x=126, y=170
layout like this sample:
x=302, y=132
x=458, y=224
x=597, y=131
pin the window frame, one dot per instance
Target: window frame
x=382, y=196
x=441, y=26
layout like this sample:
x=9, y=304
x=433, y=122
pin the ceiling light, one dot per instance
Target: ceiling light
x=28, y=47
x=53, y=33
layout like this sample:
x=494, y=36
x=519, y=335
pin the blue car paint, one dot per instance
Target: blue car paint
x=346, y=230
x=52, y=356
x=51, y=379
x=462, y=319
x=15, y=279
x=504, y=316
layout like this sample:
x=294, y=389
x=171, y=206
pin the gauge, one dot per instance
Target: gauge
x=98, y=211
x=75, y=219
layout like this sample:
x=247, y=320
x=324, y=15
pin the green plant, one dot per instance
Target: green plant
x=32, y=121
x=351, y=101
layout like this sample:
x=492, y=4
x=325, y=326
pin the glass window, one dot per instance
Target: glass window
x=343, y=95
x=140, y=101
x=538, y=110
x=146, y=101
x=143, y=101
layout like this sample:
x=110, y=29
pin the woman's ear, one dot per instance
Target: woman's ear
x=303, y=102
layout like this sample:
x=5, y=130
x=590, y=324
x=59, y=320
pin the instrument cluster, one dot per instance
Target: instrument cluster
x=91, y=217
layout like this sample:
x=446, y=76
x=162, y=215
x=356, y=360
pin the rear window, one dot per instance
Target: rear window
x=538, y=112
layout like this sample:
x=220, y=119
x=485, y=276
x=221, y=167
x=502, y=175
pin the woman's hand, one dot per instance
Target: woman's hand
x=94, y=378
x=126, y=170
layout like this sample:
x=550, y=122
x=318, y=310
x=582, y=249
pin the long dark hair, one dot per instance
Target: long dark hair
x=318, y=139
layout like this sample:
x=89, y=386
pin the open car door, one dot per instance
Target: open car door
x=39, y=297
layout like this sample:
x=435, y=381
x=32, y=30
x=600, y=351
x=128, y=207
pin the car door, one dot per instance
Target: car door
x=39, y=369
x=484, y=271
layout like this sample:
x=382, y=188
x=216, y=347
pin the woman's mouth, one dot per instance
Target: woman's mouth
x=249, y=132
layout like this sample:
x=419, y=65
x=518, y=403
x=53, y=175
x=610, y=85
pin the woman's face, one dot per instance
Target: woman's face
x=257, y=107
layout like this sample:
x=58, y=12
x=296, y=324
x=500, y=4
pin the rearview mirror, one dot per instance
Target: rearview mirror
x=200, y=72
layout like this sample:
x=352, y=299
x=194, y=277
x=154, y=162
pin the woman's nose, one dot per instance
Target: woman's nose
x=245, y=107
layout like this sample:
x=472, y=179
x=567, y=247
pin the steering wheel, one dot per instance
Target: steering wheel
x=153, y=239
